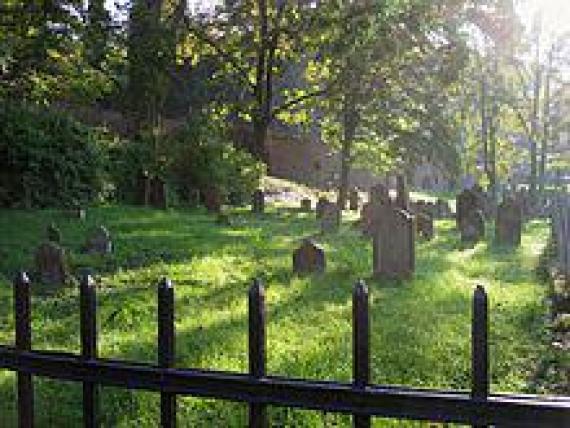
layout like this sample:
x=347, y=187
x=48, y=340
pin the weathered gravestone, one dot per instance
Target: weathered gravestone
x=306, y=205
x=53, y=233
x=212, y=200
x=472, y=226
x=394, y=244
x=258, y=202
x=51, y=264
x=99, y=242
x=402, y=196
x=158, y=197
x=309, y=258
x=508, y=225
x=330, y=218
x=320, y=205
x=353, y=200
x=466, y=203
x=424, y=224
x=143, y=188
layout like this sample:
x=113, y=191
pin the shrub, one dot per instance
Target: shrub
x=200, y=156
x=47, y=159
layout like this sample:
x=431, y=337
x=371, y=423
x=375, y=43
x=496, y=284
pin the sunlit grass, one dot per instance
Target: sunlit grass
x=420, y=328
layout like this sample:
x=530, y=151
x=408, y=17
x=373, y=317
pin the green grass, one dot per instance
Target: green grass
x=420, y=328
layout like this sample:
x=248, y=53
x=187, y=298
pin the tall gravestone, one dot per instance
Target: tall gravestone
x=308, y=258
x=403, y=196
x=258, y=202
x=472, y=227
x=353, y=200
x=51, y=264
x=330, y=218
x=508, y=225
x=394, y=244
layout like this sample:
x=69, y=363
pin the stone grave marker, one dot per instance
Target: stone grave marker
x=472, y=226
x=99, y=242
x=306, y=205
x=379, y=193
x=158, y=197
x=394, y=244
x=424, y=224
x=258, y=202
x=320, y=205
x=51, y=264
x=212, y=200
x=308, y=258
x=443, y=209
x=353, y=200
x=508, y=225
x=402, y=196
x=330, y=218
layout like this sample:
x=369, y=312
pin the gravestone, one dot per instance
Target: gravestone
x=258, y=202
x=508, y=226
x=443, y=209
x=99, y=242
x=394, y=244
x=51, y=264
x=353, y=200
x=53, y=234
x=379, y=193
x=320, y=205
x=424, y=224
x=472, y=227
x=158, y=193
x=466, y=203
x=212, y=200
x=309, y=258
x=306, y=205
x=143, y=188
x=330, y=218
x=402, y=196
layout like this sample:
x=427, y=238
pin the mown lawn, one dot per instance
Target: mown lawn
x=420, y=328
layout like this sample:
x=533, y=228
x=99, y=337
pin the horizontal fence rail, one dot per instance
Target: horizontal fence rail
x=363, y=400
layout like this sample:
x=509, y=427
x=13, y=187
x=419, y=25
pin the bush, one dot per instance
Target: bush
x=201, y=157
x=47, y=159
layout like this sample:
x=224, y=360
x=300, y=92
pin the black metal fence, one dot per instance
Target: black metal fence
x=360, y=398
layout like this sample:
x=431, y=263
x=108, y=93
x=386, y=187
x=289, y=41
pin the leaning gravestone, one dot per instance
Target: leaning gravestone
x=424, y=223
x=394, y=244
x=306, y=205
x=472, y=226
x=258, y=202
x=309, y=258
x=51, y=264
x=158, y=193
x=508, y=226
x=403, y=196
x=53, y=234
x=99, y=242
x=353, y=200
x=330, y=218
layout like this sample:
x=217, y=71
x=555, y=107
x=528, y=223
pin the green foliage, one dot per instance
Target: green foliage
x=200, y=156
x=47, y=158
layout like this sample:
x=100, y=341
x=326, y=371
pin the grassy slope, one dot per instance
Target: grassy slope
x=420, y=328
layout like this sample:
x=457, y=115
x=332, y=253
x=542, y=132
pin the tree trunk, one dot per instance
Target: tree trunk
x=350, y=123
x=546, y=123
x=534, y=130
x=259, y=149
x=484, y=123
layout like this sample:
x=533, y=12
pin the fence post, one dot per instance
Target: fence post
x=23, y=316
x=360, y=345
x=88, y=317
x=257, y=342
x=480, y=347
x=166, y=348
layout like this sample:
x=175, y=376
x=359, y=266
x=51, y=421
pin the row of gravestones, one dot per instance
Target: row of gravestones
x=51, y=264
